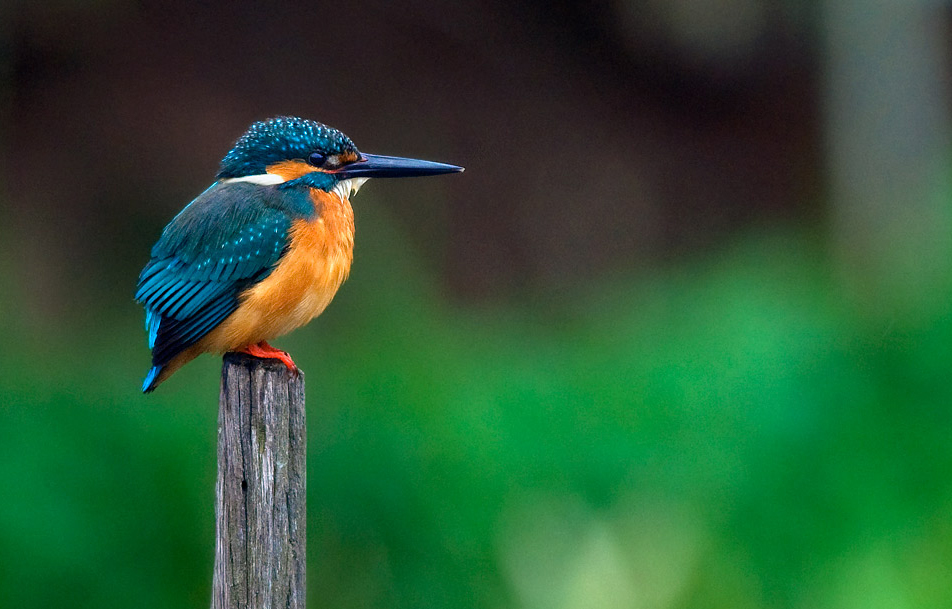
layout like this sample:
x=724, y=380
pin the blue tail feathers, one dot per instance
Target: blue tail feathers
x=152, y=321
x=151, y=379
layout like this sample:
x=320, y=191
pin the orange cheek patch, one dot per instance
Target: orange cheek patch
x=349, y=157
x=291, y=170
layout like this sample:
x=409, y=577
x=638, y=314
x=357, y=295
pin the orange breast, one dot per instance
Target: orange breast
x=302, y=284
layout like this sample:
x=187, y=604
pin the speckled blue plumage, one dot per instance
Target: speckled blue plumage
x=229, y=238
x=279, y=139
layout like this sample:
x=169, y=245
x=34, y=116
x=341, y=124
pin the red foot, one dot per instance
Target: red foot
x=263, y=349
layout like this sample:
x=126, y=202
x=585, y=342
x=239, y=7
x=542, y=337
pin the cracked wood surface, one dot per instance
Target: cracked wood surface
x=260, y=491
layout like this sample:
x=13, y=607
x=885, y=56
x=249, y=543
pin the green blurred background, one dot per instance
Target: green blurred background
x=679, y=337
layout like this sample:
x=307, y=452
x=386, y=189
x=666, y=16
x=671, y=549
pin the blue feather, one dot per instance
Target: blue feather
x=152, y=322
x=149, y=383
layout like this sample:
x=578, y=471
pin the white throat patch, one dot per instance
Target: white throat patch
x=347, y=188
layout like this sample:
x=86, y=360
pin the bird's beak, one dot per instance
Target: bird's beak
x=378, y=166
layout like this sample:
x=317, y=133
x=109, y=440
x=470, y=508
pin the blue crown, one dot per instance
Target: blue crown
x=280, y=139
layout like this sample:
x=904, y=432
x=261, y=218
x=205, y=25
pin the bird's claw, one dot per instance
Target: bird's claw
x=264, y=350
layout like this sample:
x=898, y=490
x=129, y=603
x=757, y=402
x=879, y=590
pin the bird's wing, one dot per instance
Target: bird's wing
x=227, y=239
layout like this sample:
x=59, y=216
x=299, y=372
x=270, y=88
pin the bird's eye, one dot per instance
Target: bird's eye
x=317, y=159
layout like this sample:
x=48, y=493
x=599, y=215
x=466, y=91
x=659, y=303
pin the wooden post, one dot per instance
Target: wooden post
x=259, y=496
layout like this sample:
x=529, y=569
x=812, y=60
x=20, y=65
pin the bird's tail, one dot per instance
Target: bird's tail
x=151, y=379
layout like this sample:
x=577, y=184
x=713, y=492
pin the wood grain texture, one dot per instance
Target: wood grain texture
x=260, y=492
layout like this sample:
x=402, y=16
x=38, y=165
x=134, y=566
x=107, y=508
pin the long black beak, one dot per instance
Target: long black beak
x=378, y=166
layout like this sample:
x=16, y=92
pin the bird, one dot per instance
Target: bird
x=264, y=249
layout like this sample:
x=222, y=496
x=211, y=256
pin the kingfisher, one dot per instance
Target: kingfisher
x=264, y=249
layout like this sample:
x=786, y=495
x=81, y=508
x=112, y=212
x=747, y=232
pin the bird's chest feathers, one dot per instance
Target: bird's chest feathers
x=321, y=249
x=318, y=259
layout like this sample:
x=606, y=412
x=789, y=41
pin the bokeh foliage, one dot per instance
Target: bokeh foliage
x=727, y=431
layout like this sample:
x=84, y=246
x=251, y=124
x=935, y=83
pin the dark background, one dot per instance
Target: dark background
x=679, y=336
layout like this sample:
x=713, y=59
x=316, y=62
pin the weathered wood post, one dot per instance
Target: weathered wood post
x=259, y=496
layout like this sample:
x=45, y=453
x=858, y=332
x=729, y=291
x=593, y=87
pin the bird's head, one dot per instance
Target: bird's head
x=286, y=149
